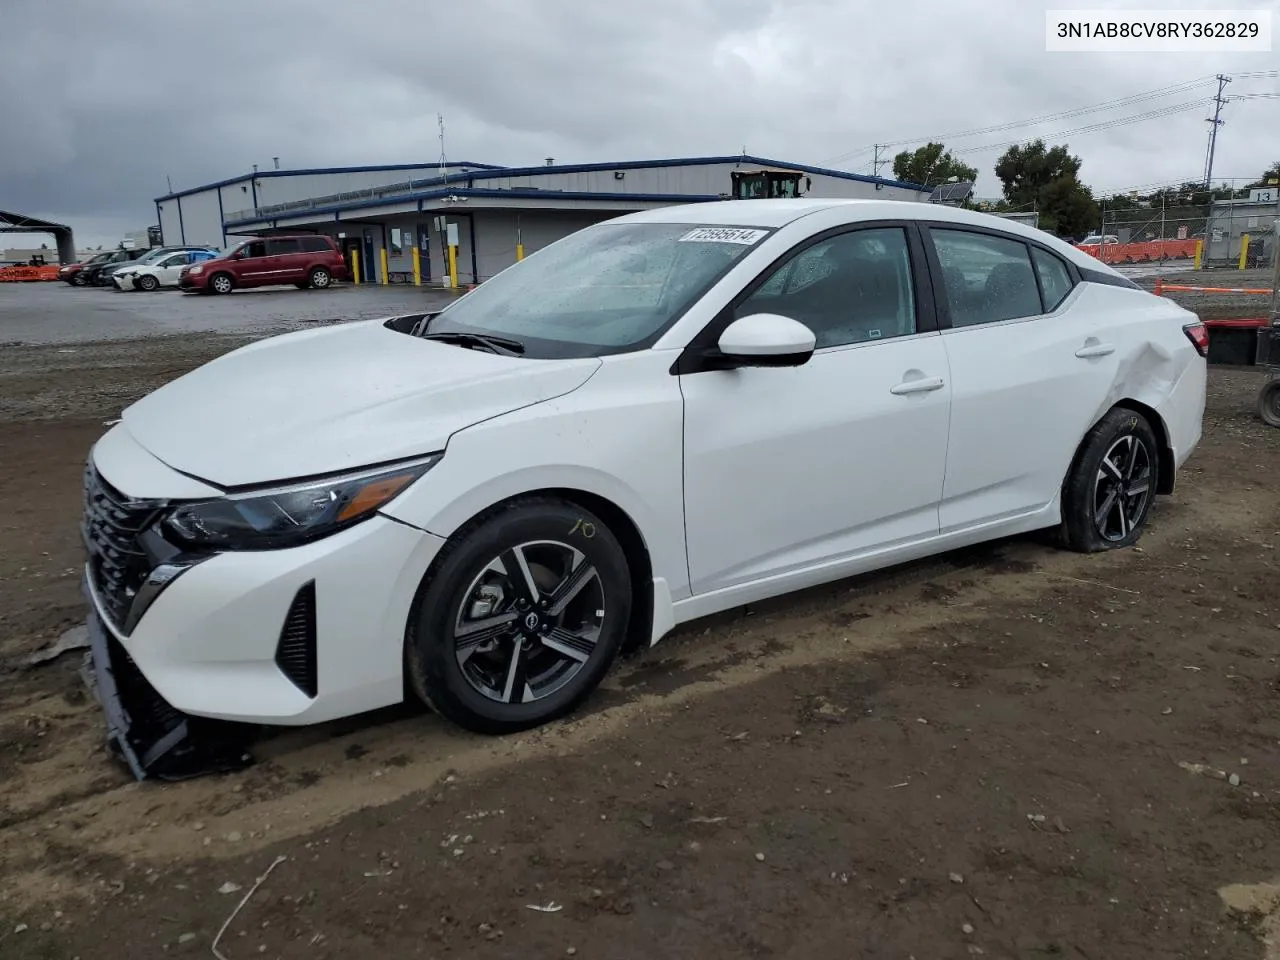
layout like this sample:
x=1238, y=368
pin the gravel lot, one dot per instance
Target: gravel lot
x=57, y=313
x=1009, y=752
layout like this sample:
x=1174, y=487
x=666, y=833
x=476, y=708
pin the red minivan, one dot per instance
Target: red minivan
x=307, y=260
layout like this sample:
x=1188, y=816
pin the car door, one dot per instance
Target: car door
x=167, y=270
x=288, y=263
x=791, y=468
x=254, y=267
x=1031, y=366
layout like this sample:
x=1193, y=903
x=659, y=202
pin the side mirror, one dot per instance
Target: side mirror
x=767, y=340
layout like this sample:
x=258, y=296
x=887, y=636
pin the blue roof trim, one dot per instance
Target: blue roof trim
x=739, y=159
x=489, y=171
x=306, y=171
x=319, y=212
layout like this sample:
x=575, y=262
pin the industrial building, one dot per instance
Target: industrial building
x=497, y=214
x=1230, y=221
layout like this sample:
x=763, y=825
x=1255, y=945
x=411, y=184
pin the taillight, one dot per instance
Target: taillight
x=1198, y=334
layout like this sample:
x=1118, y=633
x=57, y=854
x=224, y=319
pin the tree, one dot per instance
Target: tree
x=1270, y=177
x=931, y=165
x=1047, y=180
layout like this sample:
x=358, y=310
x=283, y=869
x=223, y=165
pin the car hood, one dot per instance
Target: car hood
x=333, y=399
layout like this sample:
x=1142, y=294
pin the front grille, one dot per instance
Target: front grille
x=296, y=649
x=111, y=528
x=151, y=716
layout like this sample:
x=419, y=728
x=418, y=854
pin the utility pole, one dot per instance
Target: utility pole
x=876, y=162
x=1214, y=123
x=444, y=166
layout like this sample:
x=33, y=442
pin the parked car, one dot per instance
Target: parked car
x=73, y=273
x=159, y=268
x=309, y=260
x=656, y=418
x=92, y=275
x=1093, y=239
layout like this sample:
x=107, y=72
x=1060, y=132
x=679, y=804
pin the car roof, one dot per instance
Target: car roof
x=780, y=212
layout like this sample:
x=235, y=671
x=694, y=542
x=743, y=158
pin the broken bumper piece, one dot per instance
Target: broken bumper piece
x=145, y=730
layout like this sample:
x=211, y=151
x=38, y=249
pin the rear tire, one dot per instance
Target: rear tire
x=220, y=283
x=1269, y=403
x=1112, y=483
x=147, y=282
x=320, y=279
x=492, y=653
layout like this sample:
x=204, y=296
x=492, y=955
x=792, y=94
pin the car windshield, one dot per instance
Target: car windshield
x=154, y=255
x=606, y=289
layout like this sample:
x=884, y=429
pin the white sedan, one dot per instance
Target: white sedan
x=163, y=272
x=654, y=419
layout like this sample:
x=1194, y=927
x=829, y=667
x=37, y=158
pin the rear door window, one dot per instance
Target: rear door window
x=987, y=278
x=282, y=248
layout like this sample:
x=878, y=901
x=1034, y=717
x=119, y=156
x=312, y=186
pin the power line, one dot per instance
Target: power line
x=1092, y=128
x=1061, y=115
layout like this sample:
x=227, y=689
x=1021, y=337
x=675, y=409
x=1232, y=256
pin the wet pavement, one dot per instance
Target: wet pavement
x=55, y=313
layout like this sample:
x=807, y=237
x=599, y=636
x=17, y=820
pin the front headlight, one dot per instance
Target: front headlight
x=197, y=269
x=294, y=515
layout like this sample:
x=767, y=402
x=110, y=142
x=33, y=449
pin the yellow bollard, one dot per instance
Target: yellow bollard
x=355, y=266
x=417, y=267
x=519, y=252
x=1199, y=253
x=453, y=266
x=384, y=278
x=1244, y=250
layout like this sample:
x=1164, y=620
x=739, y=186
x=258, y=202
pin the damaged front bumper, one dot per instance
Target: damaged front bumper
x=144, y=730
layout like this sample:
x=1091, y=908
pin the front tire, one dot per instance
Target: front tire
x=520, y=618
x=147, y=282
x=78, y=280
x=1112, y=483
x=220, y=283
x=320, y=278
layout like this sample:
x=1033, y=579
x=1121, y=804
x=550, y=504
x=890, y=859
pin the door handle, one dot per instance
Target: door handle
x=923, y=385
x=1094, y=348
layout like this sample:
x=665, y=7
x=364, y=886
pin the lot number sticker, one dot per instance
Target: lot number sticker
x=741, y=235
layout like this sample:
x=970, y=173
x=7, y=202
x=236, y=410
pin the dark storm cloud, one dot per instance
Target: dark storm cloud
x=114, y=96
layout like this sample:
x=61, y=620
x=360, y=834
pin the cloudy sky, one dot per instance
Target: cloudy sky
x=104, y=99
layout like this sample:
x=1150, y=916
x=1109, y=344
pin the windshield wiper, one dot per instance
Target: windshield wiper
x=482, y=340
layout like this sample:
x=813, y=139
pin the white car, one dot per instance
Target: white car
x=654, y=419
x=159, y=272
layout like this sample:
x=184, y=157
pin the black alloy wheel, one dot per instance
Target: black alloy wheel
x=520, y=618
x=1109, y=491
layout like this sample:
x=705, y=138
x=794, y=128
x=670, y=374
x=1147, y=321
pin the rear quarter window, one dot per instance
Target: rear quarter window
x=315, y=245
x=1055, y=279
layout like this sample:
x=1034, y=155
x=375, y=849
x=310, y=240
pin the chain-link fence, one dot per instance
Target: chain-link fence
x=1234, y=224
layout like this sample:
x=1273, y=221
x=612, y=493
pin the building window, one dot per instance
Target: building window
x=397, y=242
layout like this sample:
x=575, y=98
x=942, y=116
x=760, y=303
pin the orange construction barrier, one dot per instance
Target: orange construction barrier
x=1145, y=252
x=28, y=274
x=1161, y=287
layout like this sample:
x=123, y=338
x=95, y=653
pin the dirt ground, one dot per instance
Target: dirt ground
x=1218, y=306
x=1009, y=752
